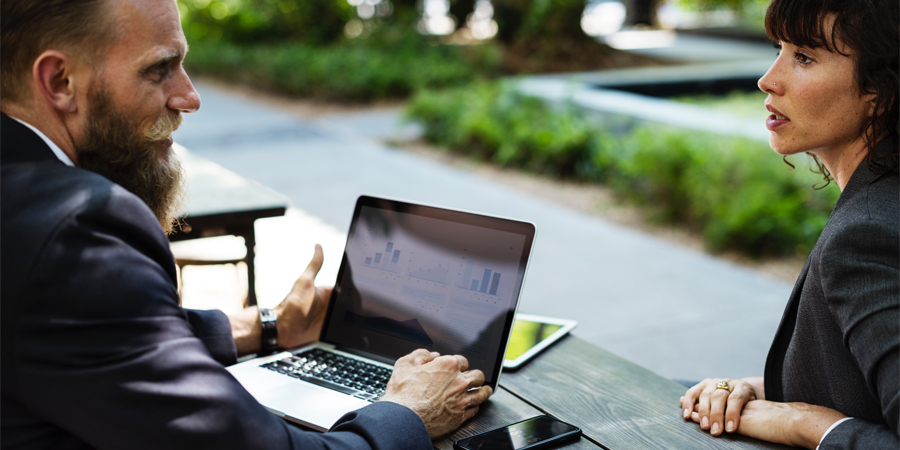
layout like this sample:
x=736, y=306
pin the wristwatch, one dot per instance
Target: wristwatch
x=269, y=331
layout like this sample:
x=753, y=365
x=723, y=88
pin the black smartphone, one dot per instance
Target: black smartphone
x=537, y=433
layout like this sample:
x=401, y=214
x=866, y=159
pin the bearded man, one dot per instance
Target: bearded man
x=96, y=351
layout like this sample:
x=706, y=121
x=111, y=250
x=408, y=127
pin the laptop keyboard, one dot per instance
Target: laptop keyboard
x=323, y=368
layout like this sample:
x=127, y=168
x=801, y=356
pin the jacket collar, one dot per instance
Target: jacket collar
x=18, y=144
x=862, y=176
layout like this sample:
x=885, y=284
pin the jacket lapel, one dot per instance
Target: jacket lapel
x=775, y=359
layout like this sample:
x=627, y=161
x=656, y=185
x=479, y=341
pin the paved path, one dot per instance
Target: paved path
x=690, y=47
x=676, y=311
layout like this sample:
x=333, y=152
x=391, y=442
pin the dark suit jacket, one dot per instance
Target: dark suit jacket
x=96, y=352
x=839, y=340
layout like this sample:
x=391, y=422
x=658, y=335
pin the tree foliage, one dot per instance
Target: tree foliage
x=529, y=20
x=246, y=21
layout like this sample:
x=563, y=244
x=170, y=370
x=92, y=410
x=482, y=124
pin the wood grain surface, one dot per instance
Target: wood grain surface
x=502, y=409
x=615, y=402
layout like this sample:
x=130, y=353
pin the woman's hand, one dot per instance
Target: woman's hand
x=743, y=410
x=718, y=409
x=794, y=424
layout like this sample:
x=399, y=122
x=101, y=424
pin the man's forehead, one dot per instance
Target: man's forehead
x=148, y=29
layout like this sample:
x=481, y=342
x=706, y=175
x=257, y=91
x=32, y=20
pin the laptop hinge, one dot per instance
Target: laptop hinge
x=365, y=354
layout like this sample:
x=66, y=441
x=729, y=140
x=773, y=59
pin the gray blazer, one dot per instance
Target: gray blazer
x=839, y=340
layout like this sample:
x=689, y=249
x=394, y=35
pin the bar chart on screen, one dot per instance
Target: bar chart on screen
x=478, y=279
x=386, y=260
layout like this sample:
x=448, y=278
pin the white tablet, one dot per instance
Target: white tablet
x=532, y=334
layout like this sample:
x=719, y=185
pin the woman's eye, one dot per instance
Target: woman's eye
x=777, y=46
x=801, y=58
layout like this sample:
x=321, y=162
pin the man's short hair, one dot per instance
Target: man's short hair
x=81, y=28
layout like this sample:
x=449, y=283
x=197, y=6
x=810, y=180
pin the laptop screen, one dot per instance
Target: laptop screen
x=416, y=276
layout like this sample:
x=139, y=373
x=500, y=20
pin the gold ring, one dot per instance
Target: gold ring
x=724, y=385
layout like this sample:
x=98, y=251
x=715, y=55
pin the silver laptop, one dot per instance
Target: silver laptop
x=412, y=276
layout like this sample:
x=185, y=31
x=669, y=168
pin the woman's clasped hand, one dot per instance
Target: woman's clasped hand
x=739, y=406
x=716, y=403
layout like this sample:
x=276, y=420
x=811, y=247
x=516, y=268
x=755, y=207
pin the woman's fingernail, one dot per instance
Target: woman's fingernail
x=730, y=426
x=704, y=422
x=715, y=428
x=686, y=413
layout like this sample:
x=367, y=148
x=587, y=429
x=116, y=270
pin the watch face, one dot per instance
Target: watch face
x=267, y=315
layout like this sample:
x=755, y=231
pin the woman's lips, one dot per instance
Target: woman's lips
x=776, y=120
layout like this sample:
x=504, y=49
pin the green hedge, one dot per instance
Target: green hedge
x=393, y=65
x=736, y=191
x=510, y=129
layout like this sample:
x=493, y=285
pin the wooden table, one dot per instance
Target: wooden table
x=616, y=403
x=221, y=203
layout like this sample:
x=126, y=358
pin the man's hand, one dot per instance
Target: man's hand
x=302, y=313
x=437, y=389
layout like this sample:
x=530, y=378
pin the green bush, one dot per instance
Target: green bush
x=392, y=64
x=736, y=191
x=496, y=122
x=250, y=21
x=738, y=103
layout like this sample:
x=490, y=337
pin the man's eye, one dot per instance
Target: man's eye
x=160, y=72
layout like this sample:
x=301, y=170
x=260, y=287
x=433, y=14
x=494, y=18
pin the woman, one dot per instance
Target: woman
x=832, y=377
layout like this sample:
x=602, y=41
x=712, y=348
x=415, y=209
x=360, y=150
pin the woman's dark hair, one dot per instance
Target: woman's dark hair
x=871, y=28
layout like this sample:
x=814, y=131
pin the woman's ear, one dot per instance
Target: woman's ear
x=870, y=99
x=53, y=78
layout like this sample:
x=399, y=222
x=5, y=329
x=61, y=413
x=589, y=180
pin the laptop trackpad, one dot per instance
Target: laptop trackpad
x=311, y=405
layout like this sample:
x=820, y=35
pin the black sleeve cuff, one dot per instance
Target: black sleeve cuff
x=859, y=434
x=214, y=329
x=386, y=425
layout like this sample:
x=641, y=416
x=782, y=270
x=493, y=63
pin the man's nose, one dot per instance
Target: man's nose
x=185, y=98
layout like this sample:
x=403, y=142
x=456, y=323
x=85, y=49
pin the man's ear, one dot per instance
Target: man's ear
x=52, y=73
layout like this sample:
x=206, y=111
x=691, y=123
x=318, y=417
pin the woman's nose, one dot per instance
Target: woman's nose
x=771, y=83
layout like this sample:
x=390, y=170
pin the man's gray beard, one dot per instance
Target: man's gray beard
x=115, y=148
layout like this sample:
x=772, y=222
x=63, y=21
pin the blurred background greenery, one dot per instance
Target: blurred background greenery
x=732, y=190
x=448, y=58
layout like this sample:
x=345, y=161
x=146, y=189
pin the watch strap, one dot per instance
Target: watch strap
x=268, y=319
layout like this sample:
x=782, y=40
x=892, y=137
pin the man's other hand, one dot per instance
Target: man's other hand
x=302, y=313
x=437, y=388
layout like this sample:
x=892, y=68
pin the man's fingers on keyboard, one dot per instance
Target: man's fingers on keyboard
x=475, y=378
x=463, y=362
x=479, y=395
